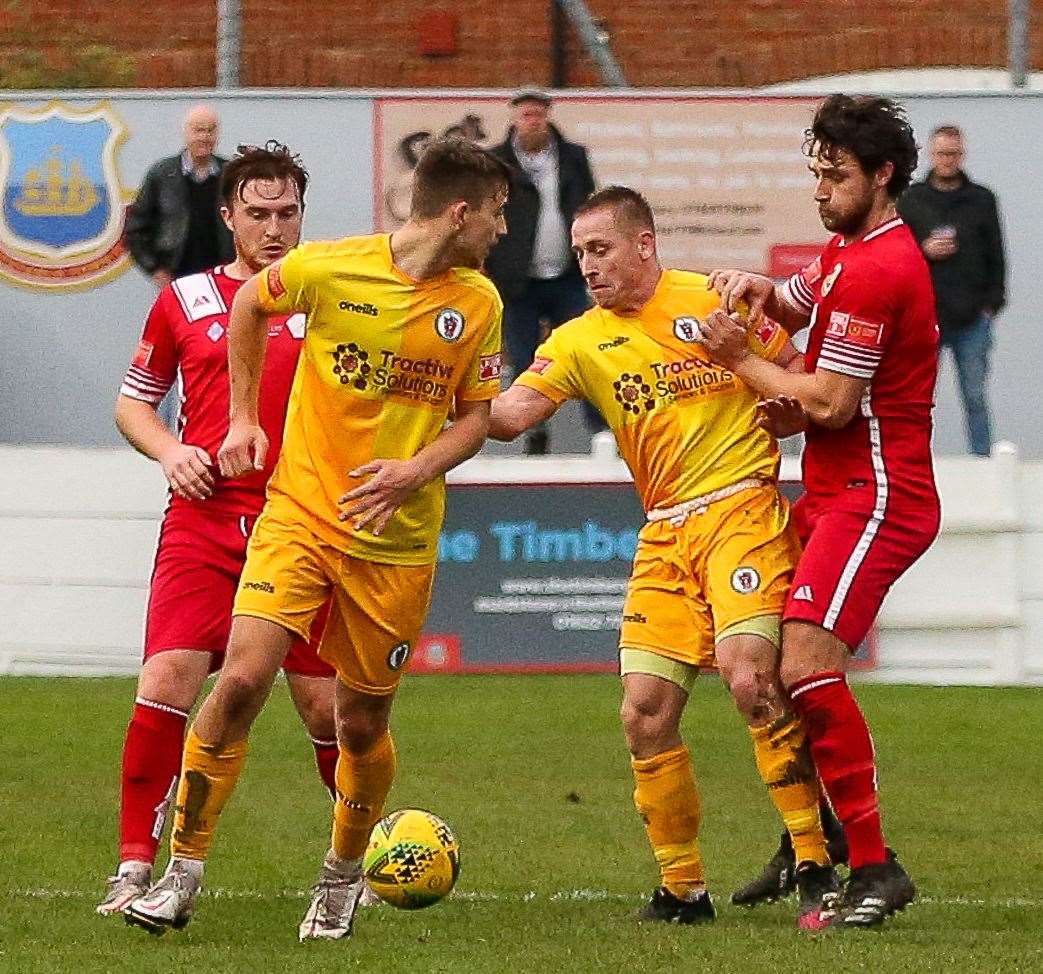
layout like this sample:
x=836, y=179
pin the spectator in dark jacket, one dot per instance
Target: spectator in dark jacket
x=533, y=266
x=175, y=227
x=957, y=224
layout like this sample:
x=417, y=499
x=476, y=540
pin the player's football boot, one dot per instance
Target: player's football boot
x=130, y=882
x=335, y=898
x=873, y=893
x=667, y=908
x=817, y=887
x=169, y=903
x=778, y=878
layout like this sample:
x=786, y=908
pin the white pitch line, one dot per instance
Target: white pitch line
x=487, y=896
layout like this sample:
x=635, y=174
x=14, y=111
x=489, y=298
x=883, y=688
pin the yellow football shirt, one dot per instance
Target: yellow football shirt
x=383, y=360
x=685, y=426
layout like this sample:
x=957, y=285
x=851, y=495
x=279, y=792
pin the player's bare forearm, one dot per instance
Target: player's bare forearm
x=517, y=410
x=456, y=443
x=185, y=467
x=247, y=340
x=390, y=482
x=142, y=428
x=829, y=399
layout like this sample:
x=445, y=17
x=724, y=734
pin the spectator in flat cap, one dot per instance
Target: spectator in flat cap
x=533, y=265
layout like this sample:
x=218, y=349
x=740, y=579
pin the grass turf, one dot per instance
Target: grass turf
x=532, y=774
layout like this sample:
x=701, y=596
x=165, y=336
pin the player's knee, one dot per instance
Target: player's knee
x=644, y=722
x=746, y=691
x=790, y=671
x=242, y=695
x=318, y=719
x=798, y=666
x=359, y=732
x=314, y=703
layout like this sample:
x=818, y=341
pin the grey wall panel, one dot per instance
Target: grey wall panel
x=62, y=355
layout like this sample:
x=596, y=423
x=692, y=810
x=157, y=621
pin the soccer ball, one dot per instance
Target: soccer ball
x=412, y=860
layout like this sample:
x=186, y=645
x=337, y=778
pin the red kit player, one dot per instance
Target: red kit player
x=202, y=543
x=871, y=507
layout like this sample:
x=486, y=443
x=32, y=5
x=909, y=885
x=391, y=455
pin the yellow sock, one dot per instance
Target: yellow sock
x=208, y=778
x=785, y=766
x=363, y=783
x=668, y=802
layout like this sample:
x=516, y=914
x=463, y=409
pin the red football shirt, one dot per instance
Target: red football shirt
x=873, y=317
x=186, y=335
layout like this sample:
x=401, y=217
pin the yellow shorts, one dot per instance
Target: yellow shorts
x=730, y=564
x=376, y=613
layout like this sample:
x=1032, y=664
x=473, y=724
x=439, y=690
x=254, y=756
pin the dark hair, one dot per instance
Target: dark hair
x=628, y=203
x=874, y=130
x=454, y=169
x=953, y=131
x=412, y=145
x=272, y=162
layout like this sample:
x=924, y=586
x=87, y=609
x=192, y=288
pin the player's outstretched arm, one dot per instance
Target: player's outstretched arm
x=246, y=444
x=517, y=410
x=391, y=481
x=830, y=399
x=186, y=467
x=760, y=293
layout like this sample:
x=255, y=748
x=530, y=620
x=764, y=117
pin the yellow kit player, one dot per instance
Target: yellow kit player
x=401, y=330
x=715, y=558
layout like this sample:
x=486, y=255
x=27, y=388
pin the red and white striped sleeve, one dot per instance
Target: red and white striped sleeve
x=153, y=368
x=798, y=290
x=858, y=328
x=852, y=346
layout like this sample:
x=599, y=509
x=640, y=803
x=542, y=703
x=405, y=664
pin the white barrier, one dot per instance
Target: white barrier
x=78, y=527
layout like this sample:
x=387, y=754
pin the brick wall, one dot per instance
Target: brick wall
x=369, y=43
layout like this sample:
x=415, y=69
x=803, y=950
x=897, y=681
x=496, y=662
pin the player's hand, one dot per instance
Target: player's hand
x=390, y=483
x=243, y=451
x=734, y=286
x=782, y=417
x=187, y=469
x=725, y=338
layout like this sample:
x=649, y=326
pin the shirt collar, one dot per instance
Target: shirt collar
x=188, y=169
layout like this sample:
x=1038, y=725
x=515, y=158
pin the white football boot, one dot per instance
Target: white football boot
x=169, y=903
x=369, y=898
x=335, y=898
x=132, y=880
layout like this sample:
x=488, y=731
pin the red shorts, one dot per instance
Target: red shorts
x=851, y=559
x=198, y=562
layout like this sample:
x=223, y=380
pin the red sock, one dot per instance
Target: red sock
x=843, y=752
x=151, y=765
x=326, y=759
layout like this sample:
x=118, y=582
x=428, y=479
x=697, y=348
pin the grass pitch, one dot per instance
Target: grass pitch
x=532, y=774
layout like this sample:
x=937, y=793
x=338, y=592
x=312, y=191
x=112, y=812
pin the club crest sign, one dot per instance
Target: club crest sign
x=449, y=324
x=63, y=206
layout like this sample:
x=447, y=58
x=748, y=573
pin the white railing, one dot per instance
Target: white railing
x=78, y=528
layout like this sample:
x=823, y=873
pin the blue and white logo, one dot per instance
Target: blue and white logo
x=63, y=205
